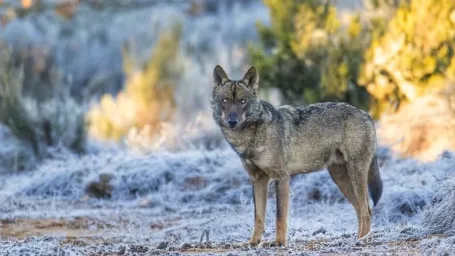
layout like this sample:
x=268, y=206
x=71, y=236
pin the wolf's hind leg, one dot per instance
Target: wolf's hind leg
x=358, y=174
x=339, y=174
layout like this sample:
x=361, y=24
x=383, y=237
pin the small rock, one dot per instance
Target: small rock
x=100, y=188
x=163, y=245
x=186, y=246
x=145, y=202
x=235, y=246
x=168, y=208
x=206, y=245
x=319, y=231
x=246, y=246
x=138, y=249
x=122, y=251
x=194, y=183
x=447, y=155
x=345, y=235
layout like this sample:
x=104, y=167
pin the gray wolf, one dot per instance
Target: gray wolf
x=277, y=143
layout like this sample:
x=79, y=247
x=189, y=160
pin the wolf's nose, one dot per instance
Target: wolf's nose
x=232, y=120
x=232, y=124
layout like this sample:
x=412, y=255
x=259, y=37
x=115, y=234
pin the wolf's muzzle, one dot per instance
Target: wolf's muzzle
x=232, y=120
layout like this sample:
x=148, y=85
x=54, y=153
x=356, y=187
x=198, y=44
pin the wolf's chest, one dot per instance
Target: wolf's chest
x=268, y=161
x=241, y=142
x=242, y=148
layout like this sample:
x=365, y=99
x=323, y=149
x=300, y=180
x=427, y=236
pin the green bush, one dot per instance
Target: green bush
x=308, y=55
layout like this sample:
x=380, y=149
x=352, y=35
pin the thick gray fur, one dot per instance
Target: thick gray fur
x=279, y=142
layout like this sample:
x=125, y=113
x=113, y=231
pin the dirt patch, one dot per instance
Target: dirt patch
x=79, y=226
x=86, y=232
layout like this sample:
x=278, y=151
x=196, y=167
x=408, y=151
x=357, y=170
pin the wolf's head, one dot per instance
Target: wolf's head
x=235, y=102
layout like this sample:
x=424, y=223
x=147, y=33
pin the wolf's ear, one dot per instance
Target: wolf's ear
x=219, y=76
x=251, y=78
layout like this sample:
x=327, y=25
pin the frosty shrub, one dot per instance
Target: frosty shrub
x=52, y=121
x=439, y=217
x=12, y=109
x=15, y=154
x=147, y=100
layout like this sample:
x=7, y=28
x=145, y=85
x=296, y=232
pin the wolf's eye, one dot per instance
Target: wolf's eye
x=243, y=101
x=224, y=100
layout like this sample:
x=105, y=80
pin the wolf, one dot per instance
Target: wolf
x=275, y=143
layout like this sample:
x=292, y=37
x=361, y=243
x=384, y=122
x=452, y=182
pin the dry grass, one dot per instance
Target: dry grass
x=147, y=102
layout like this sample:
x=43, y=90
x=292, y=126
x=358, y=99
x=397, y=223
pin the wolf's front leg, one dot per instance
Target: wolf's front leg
x=282, y=205
x=260, y=191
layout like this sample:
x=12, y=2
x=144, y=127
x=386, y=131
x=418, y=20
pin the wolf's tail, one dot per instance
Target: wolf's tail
x=374, y=181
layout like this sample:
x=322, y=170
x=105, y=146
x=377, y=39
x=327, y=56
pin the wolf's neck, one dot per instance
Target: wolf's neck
x=242, y=141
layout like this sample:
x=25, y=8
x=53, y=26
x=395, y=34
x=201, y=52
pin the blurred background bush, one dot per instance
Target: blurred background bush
x=148, y=98
x=74, y=72
x=309, y=54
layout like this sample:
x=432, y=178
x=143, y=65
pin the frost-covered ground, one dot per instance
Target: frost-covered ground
x=161, y=203
x=121, y=203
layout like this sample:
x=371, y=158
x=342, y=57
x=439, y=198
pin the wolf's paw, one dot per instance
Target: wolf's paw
x=278, y=244
x=254, y=242
x=274, y=244
x=365, y=236
x=364, y=239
